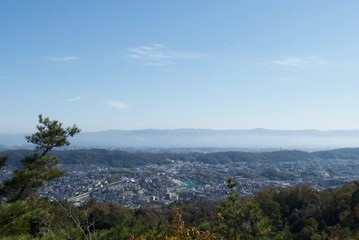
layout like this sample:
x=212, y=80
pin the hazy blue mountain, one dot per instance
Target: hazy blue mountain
x=12, y=140
x=187, y=138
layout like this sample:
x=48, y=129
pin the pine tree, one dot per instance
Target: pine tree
x=38, y=168
x=2, y=160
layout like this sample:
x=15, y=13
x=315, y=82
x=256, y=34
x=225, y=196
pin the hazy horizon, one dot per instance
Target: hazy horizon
x=200, y=129
x=204, y=138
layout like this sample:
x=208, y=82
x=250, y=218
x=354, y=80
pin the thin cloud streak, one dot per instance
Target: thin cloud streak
x=74, y=99
x=63, y=59
x=118, y=105
x=160, y=55
x=287, y=80
x=298, y=62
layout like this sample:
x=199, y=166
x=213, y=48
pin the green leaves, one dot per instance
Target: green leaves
x=38, y=169
x=2, y=160
x=51, y=134
x=231, y=184
x=14, y=218
x=26, y=181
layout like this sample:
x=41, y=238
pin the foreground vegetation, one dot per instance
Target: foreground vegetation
x=275, y=213
x=299, y=212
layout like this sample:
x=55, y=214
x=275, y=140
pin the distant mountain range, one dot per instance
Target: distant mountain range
x=200, y=138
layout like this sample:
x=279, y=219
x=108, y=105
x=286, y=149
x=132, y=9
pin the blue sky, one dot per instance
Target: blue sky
x=180, y=64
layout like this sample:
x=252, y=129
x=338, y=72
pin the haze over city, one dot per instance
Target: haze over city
x=179, y=120
x=179, y=64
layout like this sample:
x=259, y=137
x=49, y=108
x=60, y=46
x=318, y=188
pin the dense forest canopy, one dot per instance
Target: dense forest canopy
x=299, y=212
x=119, y=158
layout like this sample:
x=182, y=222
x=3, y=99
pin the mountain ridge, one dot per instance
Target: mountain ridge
x=121, y=158
x=188, y=137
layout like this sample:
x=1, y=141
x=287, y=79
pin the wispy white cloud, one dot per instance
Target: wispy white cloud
x=117, y=105
x=308, y=61
x=159, y=55
x=63, y=58
x=287, y=80
x=74, y=99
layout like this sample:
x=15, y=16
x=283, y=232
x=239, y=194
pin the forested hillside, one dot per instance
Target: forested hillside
x=275, y=213
x=118, y=158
